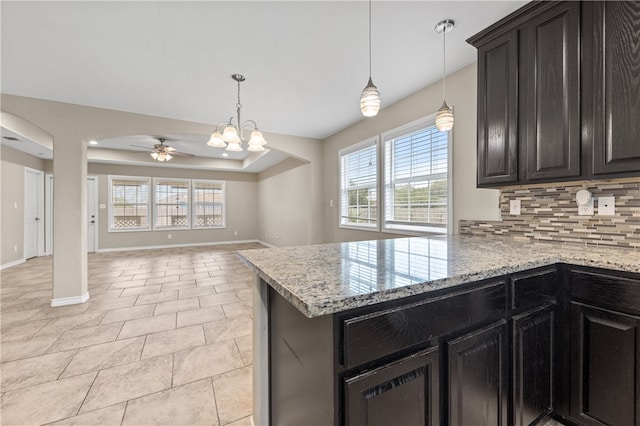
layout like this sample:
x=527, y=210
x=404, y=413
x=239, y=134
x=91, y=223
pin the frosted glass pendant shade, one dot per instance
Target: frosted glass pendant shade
x=444, y=118
x=370, y=100
x=216, y=140
x=257, y=138
x=154, y=155
x=230, y=135
x=235, y=147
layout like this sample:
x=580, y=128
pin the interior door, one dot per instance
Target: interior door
x=31, y=213
x=91, y=214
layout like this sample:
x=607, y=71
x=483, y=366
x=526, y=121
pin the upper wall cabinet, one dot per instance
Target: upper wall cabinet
x=559, y=93
x=611, y=73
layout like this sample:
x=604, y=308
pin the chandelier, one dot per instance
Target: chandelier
x=232, y=135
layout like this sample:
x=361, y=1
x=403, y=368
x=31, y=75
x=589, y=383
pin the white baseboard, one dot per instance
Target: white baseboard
x=265, y=244
x=10, y=264
x=64, y=301
x=212, y=243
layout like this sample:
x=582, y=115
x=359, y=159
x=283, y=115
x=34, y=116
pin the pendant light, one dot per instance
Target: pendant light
x=370, y=98
x=444, y=117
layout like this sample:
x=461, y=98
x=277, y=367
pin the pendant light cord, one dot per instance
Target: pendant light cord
x=369, y=39
x=444, y=58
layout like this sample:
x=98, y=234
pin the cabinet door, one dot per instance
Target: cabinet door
x=404, y=392
x=605, y=378
x=498, y=110
x=612, y=84
x=478, y=376
x=550, y=51
x=533, y=361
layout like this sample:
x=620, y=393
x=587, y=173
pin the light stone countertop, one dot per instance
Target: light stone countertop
x=329, y=278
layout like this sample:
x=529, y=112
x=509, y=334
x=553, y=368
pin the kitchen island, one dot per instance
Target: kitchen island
x=443, y=330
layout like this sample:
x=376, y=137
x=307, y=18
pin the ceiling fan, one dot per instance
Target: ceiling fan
x=162, y=152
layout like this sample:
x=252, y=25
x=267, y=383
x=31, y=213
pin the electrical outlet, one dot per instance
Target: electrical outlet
x=606, y=206
x=235, y=233
x=330, y=203
x=169, y=236
x=277, y=237
x=514, y=207
x=586, y=209
x=15, y=249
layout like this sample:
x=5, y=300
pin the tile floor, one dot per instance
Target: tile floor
x=165, y=339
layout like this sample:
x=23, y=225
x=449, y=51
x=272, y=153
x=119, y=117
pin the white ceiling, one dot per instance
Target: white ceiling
x=306, y=62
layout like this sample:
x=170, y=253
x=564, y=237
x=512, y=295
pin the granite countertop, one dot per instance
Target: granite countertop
x=328, y=278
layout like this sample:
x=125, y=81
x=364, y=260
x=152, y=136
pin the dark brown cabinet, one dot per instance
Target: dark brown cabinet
x=532, y=363
x=611, y=73
x=550, y=86
x=478, y=377
x=404, y=392
x=498, y=110
x=559, y=93
x=605, y=377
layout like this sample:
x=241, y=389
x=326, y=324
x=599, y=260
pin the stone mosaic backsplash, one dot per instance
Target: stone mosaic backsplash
x=549, y=212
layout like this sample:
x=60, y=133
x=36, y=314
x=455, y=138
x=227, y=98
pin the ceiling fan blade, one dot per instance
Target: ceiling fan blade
x=169, y=148
x=143, y=147
x=182, y=154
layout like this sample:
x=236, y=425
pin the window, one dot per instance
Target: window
x=359, y=185
x=208, y=204
x=416, y=178
x=128, y=203
x=171, y=203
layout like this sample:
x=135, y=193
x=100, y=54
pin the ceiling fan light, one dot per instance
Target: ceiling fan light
x=167, y=157
x=216, y=140
x=257, y=138
x=230, y=134
x=444, y=118
x=154, y=155
x=234, y=146
x=370, y=100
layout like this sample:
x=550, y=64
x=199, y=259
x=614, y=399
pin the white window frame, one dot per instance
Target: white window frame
x=156, y=227
x=146, y=180
x=374, y=141
x=193, y=203
x=413, y=229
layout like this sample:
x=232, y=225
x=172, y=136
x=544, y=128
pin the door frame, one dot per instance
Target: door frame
x=40, y=199
x=49, y=211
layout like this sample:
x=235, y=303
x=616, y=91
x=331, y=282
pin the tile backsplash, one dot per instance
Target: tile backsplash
x=549, y=212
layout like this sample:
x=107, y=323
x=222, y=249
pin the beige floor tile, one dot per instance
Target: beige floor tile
x=200, y=316
x=105, y=355
x=194, y=292
x=245, y=295
x=141, y=290
x=191, y=404
x=218, y=299
x=25, y=348
x=179, y=285
x=32, y=371
x=145, y=299
x=86, y=336
x=143, y=326
x=49, y=312
x=226, y=329
x=108, y=416
x=13, y=317
x=176, y=306
x=62, y=324
x=237, y=309
x=47, y=402
x=173, y=341
x=194, y=276
x=129, y=381
x=245, y=346
x=211, y=281
x=247, y=421
x=128, y=284
x=233, y=392
x=227, y=287
x=120, y=302
x=22, y=330
x=125, y=314
x=162, y=280
x=204, y=361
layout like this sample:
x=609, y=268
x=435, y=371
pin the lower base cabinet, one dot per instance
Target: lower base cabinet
x=404, y=392
x=605, y=376
x=533, y=360
x=478, y=377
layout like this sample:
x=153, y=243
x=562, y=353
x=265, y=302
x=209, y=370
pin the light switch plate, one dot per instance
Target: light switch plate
x=514, y=207
x=606, y=206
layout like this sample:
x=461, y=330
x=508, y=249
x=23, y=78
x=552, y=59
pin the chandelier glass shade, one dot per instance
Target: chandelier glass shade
x=444, y=117
x=232, y=136
x=161, y=156
x=370, y=97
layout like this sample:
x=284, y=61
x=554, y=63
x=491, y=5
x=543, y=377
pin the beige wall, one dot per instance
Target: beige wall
x=242, y=204
x=468, y=201
x=12, y=165
x=284, y=201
